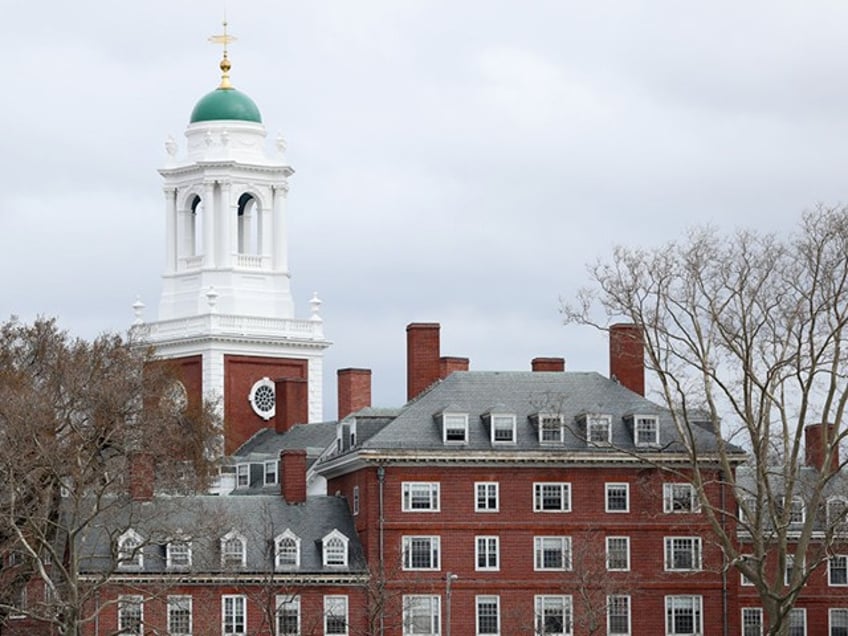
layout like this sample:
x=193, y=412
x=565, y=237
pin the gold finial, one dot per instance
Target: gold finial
x=224, y=39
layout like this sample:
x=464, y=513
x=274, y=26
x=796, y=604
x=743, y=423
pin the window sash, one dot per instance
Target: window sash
x=486, y=497
x=618, y=615
x=179, y=615
x=552, y=553
x=421, y=553
x=679, y=498
x=618, y=553
x=752, y=621
x=421, y=615
x=130, y=614
x=234, y=615
x=335, y=615
x=617, y=497
x=553, y=615
x=488, y=615
x=683, y=615
x=420, y=496
x=487, y=553
x=288, y=615
x=683, y=553
x=552, y=497
x=838, y=570
x=838, y=619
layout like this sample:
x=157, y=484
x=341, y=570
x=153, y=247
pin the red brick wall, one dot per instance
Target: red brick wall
x=354, y=390
x=627, y=356
x=422, y=357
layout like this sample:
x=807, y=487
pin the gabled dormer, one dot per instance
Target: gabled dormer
x=286, y=550
x=550, y=428
x=233, y=551
x=454, y=426
x=645, y=429
x=501, y=425
x=130, y=552
x=597, y=428
x=334, y=549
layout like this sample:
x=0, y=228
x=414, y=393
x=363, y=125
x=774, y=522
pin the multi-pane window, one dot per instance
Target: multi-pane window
x=838, y=622
x=130, y=554
x=598, y=429
x=486, y=553
x=646, y=431
x=421, y=615
x=130, y=615
x=288, y=615
x=618, y=615
x=797, y=620
x=233, y=551
x=796, y=511
x=178, y=555
x=838, y=570
x=746, y=558
x=789, y=570
x=552, y=553
x=617, y=497
x=287, y=549
x=335, y=549
x=486, y=496
x=752, y=621
x=551, y=429
x=356, y=500
x=683, y=615
x=335, y=615
x=618, y=553
x=421, y=553
x=420, y=495
x=488, y=616
x=683, y=553
x=837, y=513
x=242, y=475
x=271, y=472
x=234, y=614
x=179, y=615
x=553, y=616
x=454, y=428
x=503, y=429
x=552, y=497
x=680, y=498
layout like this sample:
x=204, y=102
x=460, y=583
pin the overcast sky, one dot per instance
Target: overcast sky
x=456, y=161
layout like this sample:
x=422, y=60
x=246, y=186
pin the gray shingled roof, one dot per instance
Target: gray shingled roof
x=206, y=519
x=313, y=438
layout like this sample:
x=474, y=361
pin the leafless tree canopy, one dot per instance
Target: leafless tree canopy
x=746, y=333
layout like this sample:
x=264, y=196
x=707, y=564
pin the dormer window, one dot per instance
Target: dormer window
x=796, y=511
x=455, y=428
x=287, y=550
x=837, y=513
x=646, y=430
x=233, y=551
x=178, y=554
x=335, y=549
x=130, y=555
x=551, y=428
x=502, y=428
x=271, y=472
x=598, y=429
x=242, y=475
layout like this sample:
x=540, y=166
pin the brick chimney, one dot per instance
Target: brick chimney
x=293, y=475
x=627, y=356
x=292, y=398
x=548, y=364
x=142, y=476
x=423, y=366
x=449, y=364
x=354, y=387
x=815, y=448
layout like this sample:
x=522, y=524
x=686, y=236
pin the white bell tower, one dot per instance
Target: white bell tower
x=226, y=312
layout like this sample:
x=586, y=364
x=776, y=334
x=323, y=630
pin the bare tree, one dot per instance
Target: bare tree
x=745, y=335
x=73, y=415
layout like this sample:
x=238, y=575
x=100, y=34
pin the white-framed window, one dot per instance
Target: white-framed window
x=242, y=475
x=551, y=428
x=486, y=496
x=271, y=472
x=288, y=615
x=617, y=497
x=179, y=615
x=234, y=614
x=618, y=554
x=552, y=553
x=837, y=513
x=487, y=553
x=797, y=511
x=178, y=554
x=598, y=429
x=683, y=615
x=837, y=570
x=680, y=498
x=262, y=398
x=797, y=619
x=455, y=428
x=752, y=621
x=355, y=500
x=421, y=553
x=744, y=579
x=618, y=615
x=789, y=570
x=131, y=614
x=646, y=430
x=335, y=549
x=502, y=428
x=553, y=615
x=552, y=497
x=233, y=550
x=421, y=615
x=420, y=496
x=488, y=615
x=286, y=550
x=838, y=621
x=682, y=554
x=130, y=551
x=335, y=615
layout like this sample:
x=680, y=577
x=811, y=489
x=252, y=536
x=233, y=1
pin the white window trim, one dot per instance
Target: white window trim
x=830, y=568
x=567, y=613
x=329, y=599
x=435, y=552
x=758, y=611
x=493, y=427
x=538, y=496
x=487, y=598
x=445, y=427
x=169, y=555
x=130, y=600
x=564, y=550
x=626, y=540
x=802, y=509
x=242, y=470
x=286, y=535
x=591, y=420
x=629, y=615
x=334, y=536
x=668, y=499
x=841, y=524
x=238, y=536
x=802, y=611
x=790, y=565
x=550, y=418
x=497, y=550
x=744, y=580
x=698, y=627
x=486, y=485
x=830, y=612
x=181, y=598
x=274, y=464
x=434, y=491
x=619, y=484
x=238, y=599
x=282, y=601
x=132, y=559
x=696, y=551
x=641, y=419
x=435, y=614
x=266, y=414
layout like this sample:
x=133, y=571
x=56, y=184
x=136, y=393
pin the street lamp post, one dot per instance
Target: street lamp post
x=449, y=578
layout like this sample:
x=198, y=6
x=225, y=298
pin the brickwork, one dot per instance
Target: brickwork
x=293, y=475
x=354, y=390
x=548, y=364
x=449, y=364
x=292, y=397
x=627, y=356
x=422, y=357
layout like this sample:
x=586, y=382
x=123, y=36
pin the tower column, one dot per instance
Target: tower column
x=279, y=255
x=209, y=224
x=170, y=230
x=225, y=223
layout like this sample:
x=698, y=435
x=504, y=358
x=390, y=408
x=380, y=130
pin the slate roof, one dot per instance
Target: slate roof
x=313, y=438
x=206, y=519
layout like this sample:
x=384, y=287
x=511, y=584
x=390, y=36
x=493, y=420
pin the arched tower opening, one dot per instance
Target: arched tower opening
x=195, y=229
x=249, y=225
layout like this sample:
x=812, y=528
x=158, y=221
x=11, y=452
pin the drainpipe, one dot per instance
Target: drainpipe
x=381, y=478
x=725, y=627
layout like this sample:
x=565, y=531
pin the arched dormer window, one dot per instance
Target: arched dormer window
x=130, y=554
x=233, y=551
x=249, y=225
x=335, y=549
x=178, y=554
x=287, y=550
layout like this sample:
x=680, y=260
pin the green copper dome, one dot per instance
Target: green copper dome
x=225, y=103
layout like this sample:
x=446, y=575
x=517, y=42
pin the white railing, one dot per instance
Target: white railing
x=229, y=325
x=192, y=262
x=249, y=261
